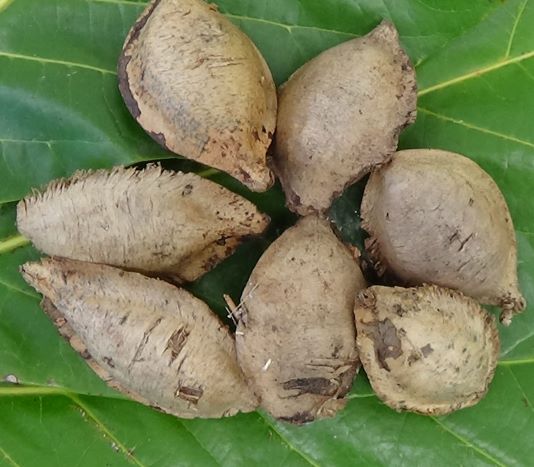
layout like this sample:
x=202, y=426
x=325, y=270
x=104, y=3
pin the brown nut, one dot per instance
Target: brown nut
x=200, y=88
x=437, y=217
x=428, y=350
x=340, y=115
x=155, y=342
x=295, y=336
x=149, y=220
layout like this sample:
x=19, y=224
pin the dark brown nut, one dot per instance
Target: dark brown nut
x=428, y=350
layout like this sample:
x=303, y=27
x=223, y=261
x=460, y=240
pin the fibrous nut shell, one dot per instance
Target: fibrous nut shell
x=150, y=220
x=436, y=217
x=428, y=349
x=295, y=336
x=200, y=87
x=155, y=342
x=340, y=115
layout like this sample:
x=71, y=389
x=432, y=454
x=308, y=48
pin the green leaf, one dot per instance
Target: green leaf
x=60, y=111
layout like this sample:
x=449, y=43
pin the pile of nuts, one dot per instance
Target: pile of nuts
x=121, y=242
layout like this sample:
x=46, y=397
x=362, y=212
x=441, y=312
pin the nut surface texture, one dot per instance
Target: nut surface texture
x=428, y=349
x=436, y=217
x=200, y=87
x=150, y=220
x=295, y=336
x=156, y=342
x=340, y=114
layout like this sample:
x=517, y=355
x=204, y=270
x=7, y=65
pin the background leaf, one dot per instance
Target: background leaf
x=60, y=110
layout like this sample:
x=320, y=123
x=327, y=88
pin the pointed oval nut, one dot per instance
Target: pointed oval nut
x=150, y=220
x=436, y=217
x=340, y=115
x=160, y=344
x=200, y=88
x=295, y=337
x=428, y=349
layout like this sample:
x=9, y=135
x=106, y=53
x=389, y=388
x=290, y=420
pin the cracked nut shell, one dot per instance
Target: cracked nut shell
x=200, y=88
x=340, y=114
x=146, y=338
x=150, y=220
x=428, y=349
x=295, y=337
x=436, y=217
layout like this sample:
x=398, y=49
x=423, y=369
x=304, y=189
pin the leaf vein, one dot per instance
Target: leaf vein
x=524, y=361
x=17, y=289
x=9, y=459
x=198, y=442
x=517, y=344
x=527, y=400
x=360, y=396
x=50, y=141
x=524, y=69
x=4, y=4
x=32, y=391
x=104, y=429
x=476, y=128
x=286, y=441
x=476, y=73
x=467, y=443
x=12, y=243
x=54, y=61
x=288, y=27
x=514, y=27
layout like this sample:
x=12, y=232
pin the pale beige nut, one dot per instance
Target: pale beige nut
x=295, y=336
x=200, y=87
x=340, y=115
x=428, y=349
x=153, y=341
x=150, y=220
x=436, y=217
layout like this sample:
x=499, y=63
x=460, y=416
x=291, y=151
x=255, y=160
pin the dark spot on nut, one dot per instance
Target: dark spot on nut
x=159, y=138
x=321, y=386
x=109, y=362
x=299, y=418
x=387, y=342
x=124, y=59
x=187, y=190
x=427, y=350
x=191, y=395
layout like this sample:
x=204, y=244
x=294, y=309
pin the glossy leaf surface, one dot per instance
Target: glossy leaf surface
x=60, y=110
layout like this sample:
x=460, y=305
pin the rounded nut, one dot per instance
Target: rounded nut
x=428, y=350
x=200, y=88
x=295, y=337
x=340, y=114
x=436, y=217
